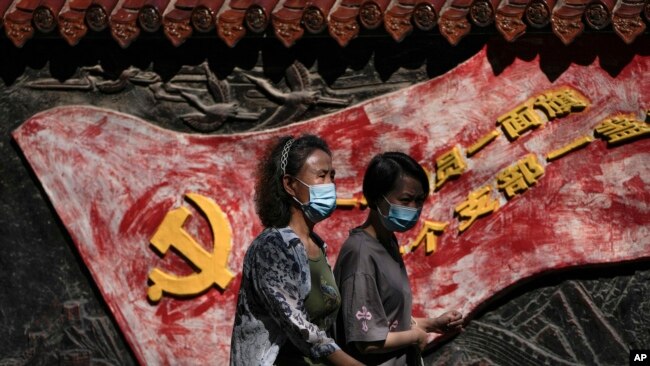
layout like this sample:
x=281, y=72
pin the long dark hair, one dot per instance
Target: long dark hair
x=272, y=202
x=384, y=170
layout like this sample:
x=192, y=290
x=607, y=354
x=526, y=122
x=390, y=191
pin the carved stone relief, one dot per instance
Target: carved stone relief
x=582, y=321
x=246, y=100
x=76, y=338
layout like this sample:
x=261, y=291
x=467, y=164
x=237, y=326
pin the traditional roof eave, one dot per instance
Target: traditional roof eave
x=290, y=20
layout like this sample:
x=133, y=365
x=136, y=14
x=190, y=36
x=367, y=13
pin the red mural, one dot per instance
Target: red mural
x=550, y=174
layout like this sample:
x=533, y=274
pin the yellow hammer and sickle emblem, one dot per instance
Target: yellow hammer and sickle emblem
x=213, y=267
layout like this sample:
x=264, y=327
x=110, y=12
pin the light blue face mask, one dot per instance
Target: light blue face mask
x=322, y=201
x=399, y=218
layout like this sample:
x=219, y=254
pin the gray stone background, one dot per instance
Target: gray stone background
x=50, y=309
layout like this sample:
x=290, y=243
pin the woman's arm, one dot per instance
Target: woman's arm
x=341, y=358
x=394, y=341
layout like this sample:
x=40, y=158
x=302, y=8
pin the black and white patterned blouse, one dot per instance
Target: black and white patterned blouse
x=271, y=303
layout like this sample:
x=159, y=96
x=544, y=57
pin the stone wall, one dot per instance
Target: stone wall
x=50, y=309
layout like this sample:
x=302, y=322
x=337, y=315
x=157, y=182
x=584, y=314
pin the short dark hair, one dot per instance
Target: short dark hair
x=383, y=171
x=272, y=202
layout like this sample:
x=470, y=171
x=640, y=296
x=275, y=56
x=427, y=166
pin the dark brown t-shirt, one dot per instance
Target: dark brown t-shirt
x=375, y=296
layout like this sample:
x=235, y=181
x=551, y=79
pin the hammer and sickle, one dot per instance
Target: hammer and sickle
x=213, y=267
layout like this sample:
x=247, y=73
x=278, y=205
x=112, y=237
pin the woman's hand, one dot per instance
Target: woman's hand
x=448, y=322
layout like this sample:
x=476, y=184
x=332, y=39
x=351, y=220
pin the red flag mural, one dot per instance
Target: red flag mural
x=530, y=176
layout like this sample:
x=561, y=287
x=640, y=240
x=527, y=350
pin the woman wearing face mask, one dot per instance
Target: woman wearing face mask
x=288, y=297
x=375, y=323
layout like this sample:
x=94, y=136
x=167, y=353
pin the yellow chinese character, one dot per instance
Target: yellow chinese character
x=482, y=142
x=517, y=178
x=622, y=128
x=449, y=165
x=428, y=236
x=478, y=203
x=574, y=145
x=519, y=120
x=212, y=267
x=560, y=103
x=353, y=202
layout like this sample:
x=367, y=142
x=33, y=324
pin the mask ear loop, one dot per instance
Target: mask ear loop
x=390, y=205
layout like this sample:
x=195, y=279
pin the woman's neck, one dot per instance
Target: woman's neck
x=376, y=229
x=300, y=225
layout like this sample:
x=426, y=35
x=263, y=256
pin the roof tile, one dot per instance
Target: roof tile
x=316, y=14
x=627, y=19
x=371, y=14
x=482, y=12
x=599, y=13
x=343, y=25
x=286, y=24
x=509, y=19
x=566, y=19
x=397, y=20
x=454, y=23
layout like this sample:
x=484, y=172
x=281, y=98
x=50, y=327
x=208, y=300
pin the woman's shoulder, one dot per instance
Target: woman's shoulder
x=357, y=250
x=268, y=235
x=275, y=241
x=358, y=240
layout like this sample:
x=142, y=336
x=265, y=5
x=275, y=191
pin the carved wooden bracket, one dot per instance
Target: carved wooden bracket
x=315, y=16
x=176, y=23
x=567, y=19
x=397, y=20
x=627, y=19
x=453, y=23
x=343, y=26
x=286, y=22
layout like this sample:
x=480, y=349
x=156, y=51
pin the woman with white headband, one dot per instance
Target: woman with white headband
x=288, y=298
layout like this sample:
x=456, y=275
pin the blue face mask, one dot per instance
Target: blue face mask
x=322, y=201
x=399, y=218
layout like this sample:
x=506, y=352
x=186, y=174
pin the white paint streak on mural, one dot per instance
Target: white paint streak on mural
x=112, y=178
